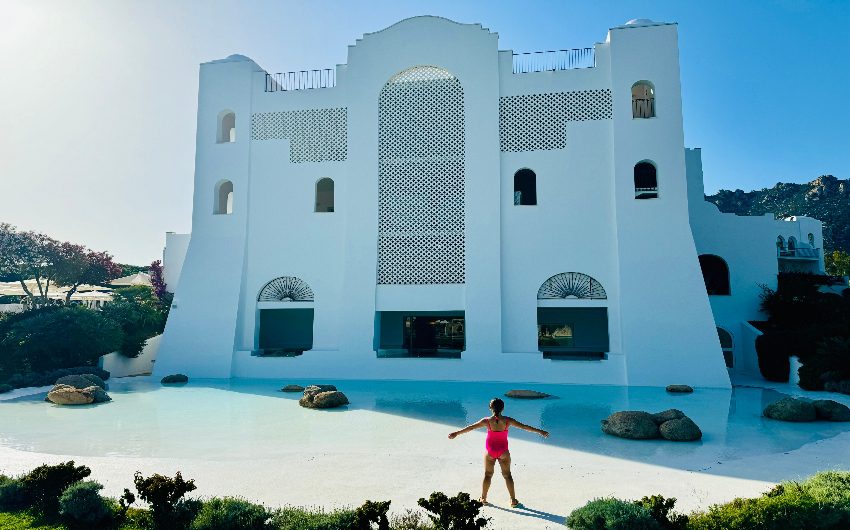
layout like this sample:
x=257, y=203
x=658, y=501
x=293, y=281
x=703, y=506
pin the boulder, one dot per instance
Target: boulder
x=667, y=415
x=680, y=389
x=68, y=395
x=791, y=409
x=838, y=386
x=98, y=394
x=292, y=388
x=81, y=381
x=829, y=410
x=526, y=394
x=680, y=430
x=632, y=424
x=174, y=379
x=322, y=400
x=320, y=388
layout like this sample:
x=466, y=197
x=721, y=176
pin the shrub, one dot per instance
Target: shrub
x=6, y=388
x=829, y=486
x=291, y=518
x=57, y=338
x=830, y=360
x=45, y=484
x=165, y=496
x=453, y=513
x=22, y=380
x=13, y=495
x=81, y=506
x=140, y=315
x=372, y=512
x=661, y=510
x=612, y=514
x=231, y=514
x=410, y=520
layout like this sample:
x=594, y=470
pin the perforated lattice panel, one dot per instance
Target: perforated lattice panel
x=286, y=289
x=315, y=135
x=536, y=122
x=571, y=285
x=421, y=179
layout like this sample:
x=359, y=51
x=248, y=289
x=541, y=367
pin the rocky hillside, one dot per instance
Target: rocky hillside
x=826, y=198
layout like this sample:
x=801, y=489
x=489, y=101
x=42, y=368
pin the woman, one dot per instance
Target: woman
x=497, y=446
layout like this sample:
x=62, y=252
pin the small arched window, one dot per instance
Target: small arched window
x=325, y=195
x=226, y=127
x=646, y=180
x=811, y=240
x=223, y=198
x=780, y=243
x=643, y=100
x=727, y=346
x=525, y=188
x=792, y=244
x=715, y=273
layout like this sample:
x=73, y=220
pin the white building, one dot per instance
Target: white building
x=438, y=208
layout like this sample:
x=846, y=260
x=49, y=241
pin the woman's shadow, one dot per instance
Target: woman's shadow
x=531, y=512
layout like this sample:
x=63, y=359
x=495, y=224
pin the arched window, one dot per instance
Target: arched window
x=646, y=180
x=792, y=245
x=525, y=188
x=643, y=100
x=715, y=272
x=811, y=240
x=223, y=198
x=325, y=195
x=226, y=127
x=571, y=285
x=727, y=346
x=780, y=243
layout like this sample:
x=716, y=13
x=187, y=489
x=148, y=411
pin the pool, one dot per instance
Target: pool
x=249, y=419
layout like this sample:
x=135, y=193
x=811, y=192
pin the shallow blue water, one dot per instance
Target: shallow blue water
x=214, y=419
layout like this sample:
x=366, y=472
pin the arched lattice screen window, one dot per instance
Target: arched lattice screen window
x=646, y=180
x=286, y=289
x=226, y=127
x=727, y=346
x=421, y=179
x=715, y=273
x=325, y=195
x=223, y=198
x=525, y=187
x=643, y=100
x=571, y=285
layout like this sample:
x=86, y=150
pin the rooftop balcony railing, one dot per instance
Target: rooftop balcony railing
x=643, y=107
x=798, y=253
x=552, y=60
x=302, y=80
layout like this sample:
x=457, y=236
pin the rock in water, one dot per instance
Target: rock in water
x=81, y=381
x=680, y=430
x=316, y=398
x=632, y=424
x=98, y=394
x=667, y=415
x=680, y=389
x=68, y=395
x=829, y=410
x=526, y=394
x=791, y=409
x=292, y=388
x=174, y=379
x=320, y=388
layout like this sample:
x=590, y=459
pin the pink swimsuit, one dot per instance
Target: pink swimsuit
x=497, y=441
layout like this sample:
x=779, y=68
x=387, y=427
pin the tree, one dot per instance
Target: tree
x=157, y=280
x=139, y=314
x=79, y=265
x=29, y=255
x=837, y=263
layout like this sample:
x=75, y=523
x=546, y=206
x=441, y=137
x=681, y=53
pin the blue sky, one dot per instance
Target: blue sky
x=99, y=96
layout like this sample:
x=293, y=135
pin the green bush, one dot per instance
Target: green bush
x=372, y=512
x=23, y=380
x=409, y=520
x=56, y=337
x=165, y=496
x=831, y=359
x=231, y=514
x=454, y=513
x=13, y=495
x=661, y=510
x=612, y=514
x=830, y=487
x=291, y=518
x=6, y=388
x=140, y=315
x=81, y=506
x=45, y=484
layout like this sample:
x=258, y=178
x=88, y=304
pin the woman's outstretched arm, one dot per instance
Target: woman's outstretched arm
x=476, y=425
x=529, y=428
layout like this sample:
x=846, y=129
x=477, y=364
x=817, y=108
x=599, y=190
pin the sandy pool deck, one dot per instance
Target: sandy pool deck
x=551, y=481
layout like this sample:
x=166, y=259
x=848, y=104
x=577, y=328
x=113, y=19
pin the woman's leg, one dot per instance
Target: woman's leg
x=505, y=465
x=489, y=466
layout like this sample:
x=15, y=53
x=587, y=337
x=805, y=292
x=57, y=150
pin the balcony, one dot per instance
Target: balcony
x=643, y=107
x=554, y=60
x=301, y=80
x=799, y=253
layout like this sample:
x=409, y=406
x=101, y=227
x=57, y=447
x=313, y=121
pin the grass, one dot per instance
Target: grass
x=23, y=520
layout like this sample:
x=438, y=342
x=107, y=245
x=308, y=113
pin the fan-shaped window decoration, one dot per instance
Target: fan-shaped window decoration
x=286, y=289
x=571, y=285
